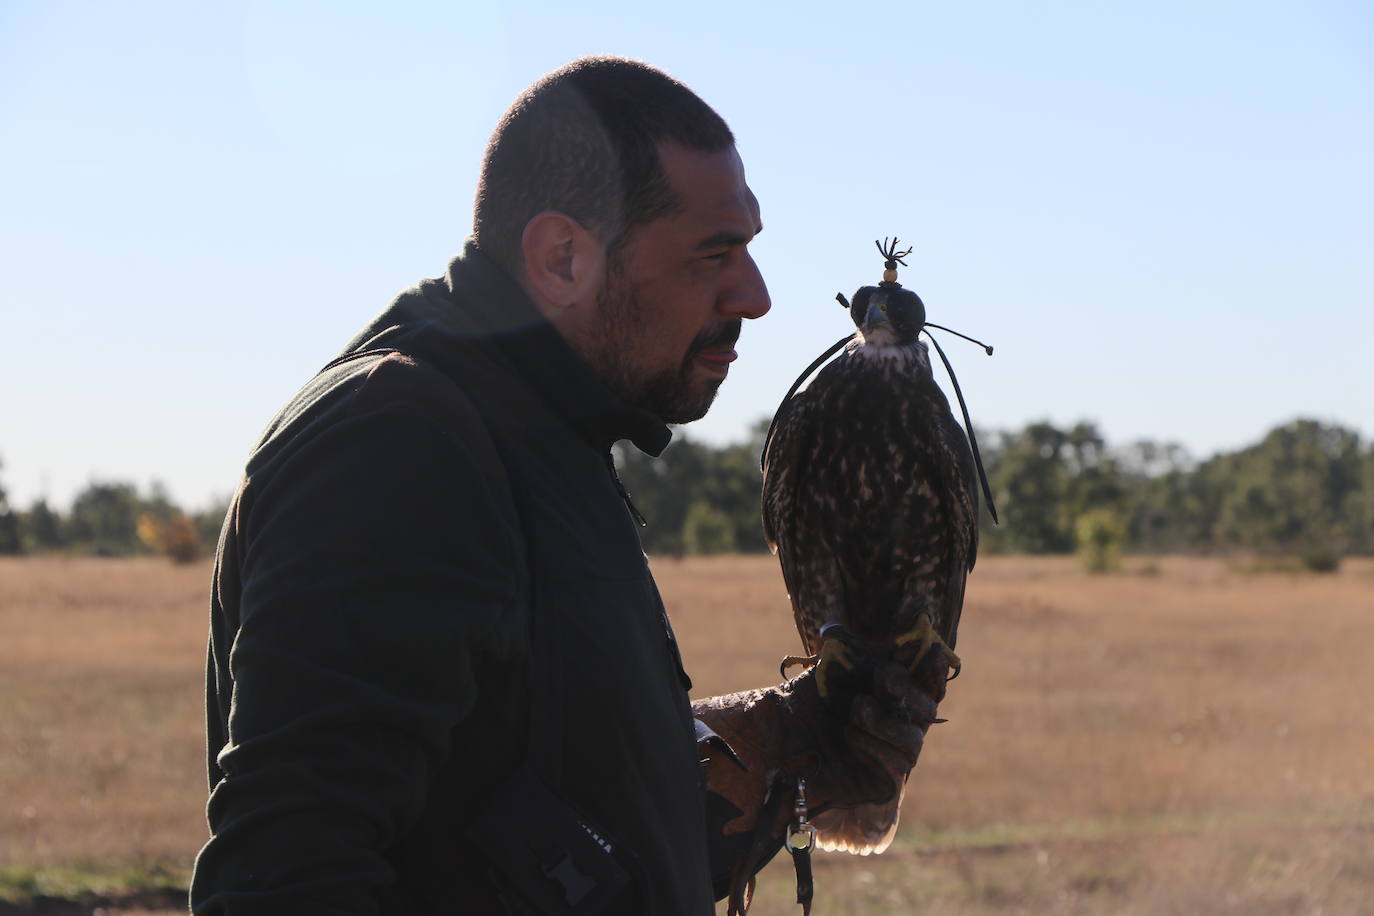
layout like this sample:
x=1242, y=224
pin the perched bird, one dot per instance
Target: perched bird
x=870, y=502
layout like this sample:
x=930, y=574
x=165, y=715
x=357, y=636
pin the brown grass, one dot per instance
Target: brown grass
x=1177, y=738
x=101, y=741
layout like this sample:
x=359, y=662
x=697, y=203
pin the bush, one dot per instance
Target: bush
x=104, y=520
x=707, y=530
x=1321, y=560
x=1099, y=535
x=174, y=537
x=1288, y=564
x=10, y=542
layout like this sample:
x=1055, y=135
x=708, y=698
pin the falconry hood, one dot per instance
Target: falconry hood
x=887, y=313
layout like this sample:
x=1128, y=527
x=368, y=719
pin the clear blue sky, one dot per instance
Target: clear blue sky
x=1162, y=214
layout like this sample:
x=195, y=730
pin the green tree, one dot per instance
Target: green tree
x=1299, y=491
x=42, y=527
x=662, y=490
x=1162, y=510
x=733, y=484
x=10, y=541
x=209, y=521
x=1031, y=483
x=1095, y=480
x=104, y=519
x=1363, y=509
x=707, y=530
x=158, y=503
x=688, y=473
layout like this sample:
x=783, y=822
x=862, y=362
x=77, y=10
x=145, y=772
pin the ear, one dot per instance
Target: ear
x=564, y=261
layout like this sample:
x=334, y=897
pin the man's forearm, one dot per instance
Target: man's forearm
x=748, y=728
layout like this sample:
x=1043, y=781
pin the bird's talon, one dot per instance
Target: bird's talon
x=790, y=660
x=925, y=636
x=835, y=650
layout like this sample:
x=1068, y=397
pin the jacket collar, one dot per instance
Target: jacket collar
x=491, y=306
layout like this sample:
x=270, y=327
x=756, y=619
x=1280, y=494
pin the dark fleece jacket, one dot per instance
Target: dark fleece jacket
x=403, y=523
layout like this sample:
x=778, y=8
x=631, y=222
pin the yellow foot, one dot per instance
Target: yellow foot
x=835, y=650
x=789, y=660
x=924, y=636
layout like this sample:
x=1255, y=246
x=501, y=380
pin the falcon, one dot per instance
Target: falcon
x=871, y=504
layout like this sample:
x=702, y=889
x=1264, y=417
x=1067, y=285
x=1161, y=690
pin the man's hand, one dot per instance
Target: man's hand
x=854, y=748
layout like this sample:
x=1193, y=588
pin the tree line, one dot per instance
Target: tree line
x=112, y=519
x=1305, y=490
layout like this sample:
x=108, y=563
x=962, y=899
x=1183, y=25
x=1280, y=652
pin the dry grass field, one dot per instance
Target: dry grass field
x=1177, y=738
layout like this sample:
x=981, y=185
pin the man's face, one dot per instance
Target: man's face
x=676, y=294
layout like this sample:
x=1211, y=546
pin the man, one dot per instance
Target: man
x=438, y=665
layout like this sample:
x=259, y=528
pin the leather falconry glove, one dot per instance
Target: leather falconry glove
x=854, y=748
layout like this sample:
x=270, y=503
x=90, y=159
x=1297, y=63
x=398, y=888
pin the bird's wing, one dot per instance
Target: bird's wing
x=959, y=481
x=962, y=479
x=808, y=570
x=781, y=467
x=861, y=830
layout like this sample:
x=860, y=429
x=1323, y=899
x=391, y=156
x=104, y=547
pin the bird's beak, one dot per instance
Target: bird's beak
x=876, y=316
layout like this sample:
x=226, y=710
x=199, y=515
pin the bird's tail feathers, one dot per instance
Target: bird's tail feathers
x=862, y=830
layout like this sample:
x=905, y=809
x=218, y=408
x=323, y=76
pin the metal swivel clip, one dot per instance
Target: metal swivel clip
x=801, y=836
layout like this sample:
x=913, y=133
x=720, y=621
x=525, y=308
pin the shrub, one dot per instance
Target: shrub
x=1321, y=560
x=707, y=530
x=1099, y=535
x=174, y=537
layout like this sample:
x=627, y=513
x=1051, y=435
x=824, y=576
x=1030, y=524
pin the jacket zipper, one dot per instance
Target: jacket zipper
x=674, y=654
x=635, y=514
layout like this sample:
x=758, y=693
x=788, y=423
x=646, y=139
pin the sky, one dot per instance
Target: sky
x=1160, y=214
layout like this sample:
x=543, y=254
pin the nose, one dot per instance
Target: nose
x=747, y=296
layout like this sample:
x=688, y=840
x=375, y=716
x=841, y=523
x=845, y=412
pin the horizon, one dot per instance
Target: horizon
x=147, y=484
x=1143, y=210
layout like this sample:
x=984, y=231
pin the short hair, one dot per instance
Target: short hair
x=583, y=140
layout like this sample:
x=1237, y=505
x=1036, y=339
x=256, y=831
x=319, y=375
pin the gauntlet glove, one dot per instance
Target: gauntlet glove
x=854, y=748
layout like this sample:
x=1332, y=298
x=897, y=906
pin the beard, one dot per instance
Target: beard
x=626, y=325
